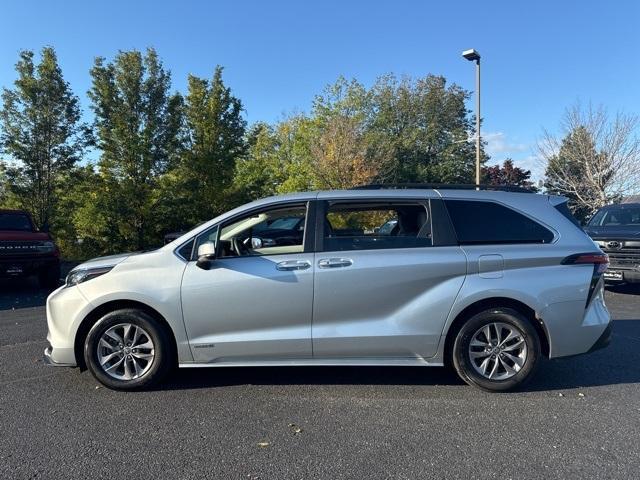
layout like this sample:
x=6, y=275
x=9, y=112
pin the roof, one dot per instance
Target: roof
x=624, y=205
x=631, y=199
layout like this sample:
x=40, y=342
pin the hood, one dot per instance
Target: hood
x=22, y=236
x=107, y=261
x=630, y=232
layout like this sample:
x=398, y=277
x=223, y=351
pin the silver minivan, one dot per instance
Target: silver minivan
x=485, y=281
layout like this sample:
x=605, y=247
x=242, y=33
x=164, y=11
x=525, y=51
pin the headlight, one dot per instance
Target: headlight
x=83, y=274
x=46, y=247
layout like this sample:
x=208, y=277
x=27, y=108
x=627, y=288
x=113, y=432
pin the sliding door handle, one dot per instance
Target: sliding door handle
x=335, y=262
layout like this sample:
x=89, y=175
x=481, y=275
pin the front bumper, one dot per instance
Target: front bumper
x=628, y=276
x=17, y=266
x=53, y=362
x=66, y=307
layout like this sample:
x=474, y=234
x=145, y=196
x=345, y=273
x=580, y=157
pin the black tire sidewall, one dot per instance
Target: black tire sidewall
x=158, y=335
x=462, y=362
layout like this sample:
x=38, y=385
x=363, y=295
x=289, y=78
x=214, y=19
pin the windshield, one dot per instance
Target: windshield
x=286, y=223
x=15, y=221
x=615, y=217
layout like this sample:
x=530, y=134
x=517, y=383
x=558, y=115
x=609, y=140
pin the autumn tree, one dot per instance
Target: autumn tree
x=507, y=174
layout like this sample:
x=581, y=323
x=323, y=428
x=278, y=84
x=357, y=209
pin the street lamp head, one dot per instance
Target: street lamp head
x=471, y=55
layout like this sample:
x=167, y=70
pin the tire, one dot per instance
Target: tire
x=521, y=353
x=142, y=364
x=50, y=277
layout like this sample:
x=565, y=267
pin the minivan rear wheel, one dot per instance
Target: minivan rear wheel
x=127, y=350
x=496, y=350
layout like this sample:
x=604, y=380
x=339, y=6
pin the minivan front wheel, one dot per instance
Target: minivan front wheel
x=127, y=350
x=496, y=350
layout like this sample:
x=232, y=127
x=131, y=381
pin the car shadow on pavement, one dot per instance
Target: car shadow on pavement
x=613, y=365
x=309, y=375
x=21, y=293
x=624, y=288
x=25, y=292
x=616, y=364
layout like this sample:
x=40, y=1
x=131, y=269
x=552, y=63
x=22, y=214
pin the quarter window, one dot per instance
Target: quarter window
x=372, y=226
x=478, y=222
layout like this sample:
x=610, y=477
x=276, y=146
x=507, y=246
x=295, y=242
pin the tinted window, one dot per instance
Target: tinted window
x=488, y=222
x=563, y=208
x=15, y=221
x=185, y=250
x=376, y=226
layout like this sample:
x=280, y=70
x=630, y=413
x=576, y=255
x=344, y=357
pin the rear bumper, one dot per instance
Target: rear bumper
x=603, y=341
x=574, y=330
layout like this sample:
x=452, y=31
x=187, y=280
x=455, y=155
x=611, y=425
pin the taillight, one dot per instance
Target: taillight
x=600, y=262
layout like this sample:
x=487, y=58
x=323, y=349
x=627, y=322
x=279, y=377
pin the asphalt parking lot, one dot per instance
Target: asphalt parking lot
x=579, y=417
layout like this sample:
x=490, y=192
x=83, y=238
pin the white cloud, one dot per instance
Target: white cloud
x=499, y=146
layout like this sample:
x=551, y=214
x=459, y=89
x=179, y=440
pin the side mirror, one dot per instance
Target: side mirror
x=206, y=253
x=256, y=243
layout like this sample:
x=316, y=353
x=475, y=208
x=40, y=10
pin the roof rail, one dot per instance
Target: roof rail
x=448, y=186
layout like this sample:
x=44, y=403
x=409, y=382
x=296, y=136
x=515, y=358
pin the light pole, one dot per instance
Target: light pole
x=474, y=56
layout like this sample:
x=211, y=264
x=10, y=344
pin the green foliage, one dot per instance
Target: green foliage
x=137, y=126
x=43, y=136
x=396, y=131
x=198, y=186
x=427, y=126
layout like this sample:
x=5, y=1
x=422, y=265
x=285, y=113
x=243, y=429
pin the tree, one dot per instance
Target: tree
x=43, y=135
x=342, y=157
x=507, y=174
x=137, y=126
x=343, y=153
x=215, y=130
x=396, y=131
x=428, y=128
x=595, y=161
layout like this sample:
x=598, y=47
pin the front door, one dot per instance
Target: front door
x=255, y=300
x=382, y=288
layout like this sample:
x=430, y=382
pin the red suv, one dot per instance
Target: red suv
x=26, y=251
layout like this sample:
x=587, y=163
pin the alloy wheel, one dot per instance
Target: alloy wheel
x=125, y=351
x=498, y=351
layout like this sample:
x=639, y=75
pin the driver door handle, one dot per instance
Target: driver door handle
x=289, y=265
x=335, y=262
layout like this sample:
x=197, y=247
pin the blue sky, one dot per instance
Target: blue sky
x=538, y=56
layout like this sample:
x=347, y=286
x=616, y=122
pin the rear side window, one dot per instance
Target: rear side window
x=477, y=223
x=563, y=208
x=372, y=226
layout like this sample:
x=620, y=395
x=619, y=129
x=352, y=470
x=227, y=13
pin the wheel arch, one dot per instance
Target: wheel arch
x=495, y=302
x=94, y=315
